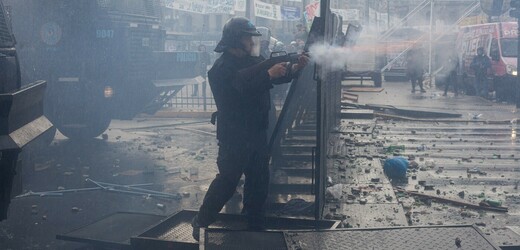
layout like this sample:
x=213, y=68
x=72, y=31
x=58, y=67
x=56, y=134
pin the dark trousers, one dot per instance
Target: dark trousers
x=232, y=162
x=481, y=85
x=417, y=79
x=452, y=80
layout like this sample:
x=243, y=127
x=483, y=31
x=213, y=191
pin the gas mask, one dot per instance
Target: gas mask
x=256, y=46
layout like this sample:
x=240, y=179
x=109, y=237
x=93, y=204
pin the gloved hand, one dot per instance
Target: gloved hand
x=278, y=70
x=303, y=60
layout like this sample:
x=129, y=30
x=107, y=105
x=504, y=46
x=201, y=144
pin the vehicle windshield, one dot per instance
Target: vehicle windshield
x=509, y=47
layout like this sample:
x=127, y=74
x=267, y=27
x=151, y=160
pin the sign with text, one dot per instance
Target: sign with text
x=240, y=5
x=291, y=13
x=347, y=14
x=268, y=11
x=203, y=6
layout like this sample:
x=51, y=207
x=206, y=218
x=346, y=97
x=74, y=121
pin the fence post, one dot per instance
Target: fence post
x=204, y=94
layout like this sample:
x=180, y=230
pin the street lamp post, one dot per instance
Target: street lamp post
x=388, y=13
x=432, y=78
x=515, y=12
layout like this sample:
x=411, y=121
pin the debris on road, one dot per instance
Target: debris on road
x=455, y=202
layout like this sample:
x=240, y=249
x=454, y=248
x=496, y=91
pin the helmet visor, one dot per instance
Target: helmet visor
x=251, y=32
x=255, y=51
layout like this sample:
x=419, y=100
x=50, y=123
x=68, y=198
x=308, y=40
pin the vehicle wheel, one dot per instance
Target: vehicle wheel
x=87, y=130
x=378, y=79
x=78, y=111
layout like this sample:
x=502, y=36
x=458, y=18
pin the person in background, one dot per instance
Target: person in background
x=204, y=61
x=415, y=67
x=452, y=67
x=293, y=47
x=265, y=42
x=301, y=33
x=481, y=64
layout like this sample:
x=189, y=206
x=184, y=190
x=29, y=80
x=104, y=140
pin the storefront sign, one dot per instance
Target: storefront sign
x=268, y=11
x=291, y=13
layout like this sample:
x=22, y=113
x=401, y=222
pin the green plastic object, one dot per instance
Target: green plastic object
x=392, y=148
x=493, y=203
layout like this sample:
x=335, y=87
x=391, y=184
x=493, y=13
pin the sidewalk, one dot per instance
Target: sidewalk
x=399, y=94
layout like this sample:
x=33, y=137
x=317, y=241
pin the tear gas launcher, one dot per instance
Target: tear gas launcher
x=276, y=57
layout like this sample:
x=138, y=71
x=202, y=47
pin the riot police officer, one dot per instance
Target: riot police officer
x=240, y=85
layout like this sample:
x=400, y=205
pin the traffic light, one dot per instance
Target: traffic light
x=515, y=9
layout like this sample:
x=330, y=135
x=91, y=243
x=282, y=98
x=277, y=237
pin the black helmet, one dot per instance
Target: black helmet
x=234, y=29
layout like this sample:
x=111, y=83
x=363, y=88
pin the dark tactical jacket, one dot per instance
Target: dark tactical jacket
x=242, y=98
x=481, y=65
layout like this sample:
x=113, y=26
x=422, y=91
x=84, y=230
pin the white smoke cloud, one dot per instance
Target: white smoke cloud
x=361, y=57
x=332, y=56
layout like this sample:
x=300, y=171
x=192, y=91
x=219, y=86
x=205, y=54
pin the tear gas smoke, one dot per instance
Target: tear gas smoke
x=359, y=57
x=332, y=56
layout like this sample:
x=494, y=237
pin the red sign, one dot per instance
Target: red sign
x=312, y=10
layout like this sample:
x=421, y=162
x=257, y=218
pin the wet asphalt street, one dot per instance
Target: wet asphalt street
x=176, y=156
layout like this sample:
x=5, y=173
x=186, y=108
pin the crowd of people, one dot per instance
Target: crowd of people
x=480, y=65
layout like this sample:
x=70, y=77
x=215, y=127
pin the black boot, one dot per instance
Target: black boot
x=196, y=228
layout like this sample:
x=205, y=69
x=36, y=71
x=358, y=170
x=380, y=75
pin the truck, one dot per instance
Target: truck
x=102, y=60
x=499, y=41
x=21, y=115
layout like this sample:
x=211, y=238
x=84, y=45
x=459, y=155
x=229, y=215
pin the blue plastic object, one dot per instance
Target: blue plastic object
x=395, y=168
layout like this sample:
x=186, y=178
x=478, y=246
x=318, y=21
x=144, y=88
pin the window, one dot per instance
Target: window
x=509, y=47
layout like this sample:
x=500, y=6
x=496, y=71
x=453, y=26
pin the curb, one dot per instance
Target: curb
x=179, y=114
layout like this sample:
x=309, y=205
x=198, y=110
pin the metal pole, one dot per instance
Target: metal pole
x=367, y=13
x=204, y=95
x=431, y=41
x=324, y=6
x=388, y=13
x=320, y=119
x=248, y=9
x=317, y=164
x=518, y=69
